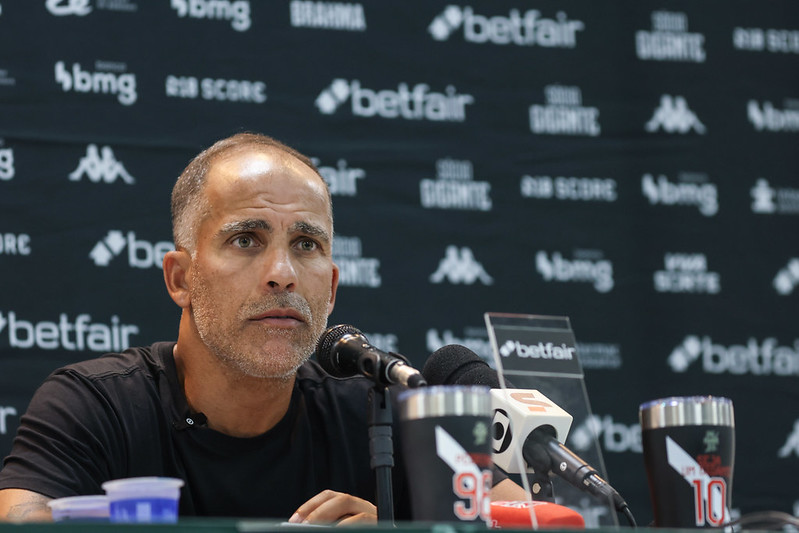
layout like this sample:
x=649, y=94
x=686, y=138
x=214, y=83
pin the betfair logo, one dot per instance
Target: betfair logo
x=62, y=8
x=141, y=254
x=528, y=29
x=416, y=103
x=100, y=165
x=460, y=266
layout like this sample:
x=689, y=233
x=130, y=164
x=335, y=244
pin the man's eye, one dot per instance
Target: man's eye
x=243, y=241
x=308, y=245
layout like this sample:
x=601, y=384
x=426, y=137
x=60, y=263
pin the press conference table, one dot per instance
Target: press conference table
x=200, y=525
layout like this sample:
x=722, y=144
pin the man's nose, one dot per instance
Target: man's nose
x=280, y=272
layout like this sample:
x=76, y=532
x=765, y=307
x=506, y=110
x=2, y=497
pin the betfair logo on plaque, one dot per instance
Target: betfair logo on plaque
x=531, y=343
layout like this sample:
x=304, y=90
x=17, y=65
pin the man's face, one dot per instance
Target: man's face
x=262, y=279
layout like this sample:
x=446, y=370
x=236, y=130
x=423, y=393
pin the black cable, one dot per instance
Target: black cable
x=628, y=515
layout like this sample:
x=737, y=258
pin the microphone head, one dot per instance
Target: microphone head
x=326, y=349
x=454, y=364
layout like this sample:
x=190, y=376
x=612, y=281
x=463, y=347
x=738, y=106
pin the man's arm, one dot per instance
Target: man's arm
x=19, y=505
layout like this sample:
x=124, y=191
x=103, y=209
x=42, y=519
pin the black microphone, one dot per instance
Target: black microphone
x=344, y=351
x=457, y=365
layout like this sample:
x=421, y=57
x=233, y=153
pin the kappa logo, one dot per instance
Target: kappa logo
x=6, y=164
x=460, y=266
x=529, y=29
x=61, y=8
x=417, y=103
x=236, y=11
x=100, y=165
x=674, y=116
x=787, y=279
x=141, y=254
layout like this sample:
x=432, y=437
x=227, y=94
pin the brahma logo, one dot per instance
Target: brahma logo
x=141, y=254
x=460, y=266
x=764, y=358
x=327, y=15
x=72, y=335
x=101, y=168
x=674, y=116
x=236, y=11
x=417, y=103
x=530, y=29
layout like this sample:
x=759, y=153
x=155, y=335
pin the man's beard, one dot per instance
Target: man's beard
x=246, y=351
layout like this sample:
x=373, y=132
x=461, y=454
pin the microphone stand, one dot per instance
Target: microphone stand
x=381, y=449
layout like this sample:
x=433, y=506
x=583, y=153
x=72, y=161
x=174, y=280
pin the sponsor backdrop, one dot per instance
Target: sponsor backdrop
x=630, y=165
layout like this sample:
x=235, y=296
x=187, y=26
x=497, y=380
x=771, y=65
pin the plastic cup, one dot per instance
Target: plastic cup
x=143, y=499
x=84, y=508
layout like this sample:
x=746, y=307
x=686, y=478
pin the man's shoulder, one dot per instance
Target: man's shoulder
x=142, y=361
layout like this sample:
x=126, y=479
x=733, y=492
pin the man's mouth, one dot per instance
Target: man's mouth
x=279, y=316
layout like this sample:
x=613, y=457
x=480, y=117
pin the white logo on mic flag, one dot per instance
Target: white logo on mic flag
x=710, y=492
x=468, y=480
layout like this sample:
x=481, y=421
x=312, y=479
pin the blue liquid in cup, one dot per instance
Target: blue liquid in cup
x=145, y=510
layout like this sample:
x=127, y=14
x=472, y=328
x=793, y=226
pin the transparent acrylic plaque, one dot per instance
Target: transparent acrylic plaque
x=540, y=352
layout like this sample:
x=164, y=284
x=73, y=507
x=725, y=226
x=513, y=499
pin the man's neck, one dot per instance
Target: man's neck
x=233, y=403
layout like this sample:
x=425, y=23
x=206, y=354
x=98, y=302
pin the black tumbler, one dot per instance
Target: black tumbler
x=446, y=444
x=689, y=451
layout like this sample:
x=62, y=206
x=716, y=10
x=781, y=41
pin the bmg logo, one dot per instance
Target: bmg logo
x=6, y=164
x=84, y=81
x=238, y=11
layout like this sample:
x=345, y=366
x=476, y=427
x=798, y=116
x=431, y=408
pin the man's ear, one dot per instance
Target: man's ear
x=333, y=289
x=177, y=265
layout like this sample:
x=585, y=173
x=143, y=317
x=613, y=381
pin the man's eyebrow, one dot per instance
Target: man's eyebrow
x=244, y=225
x=310, y=229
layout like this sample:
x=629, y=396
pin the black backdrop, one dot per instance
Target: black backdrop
x=631, y=165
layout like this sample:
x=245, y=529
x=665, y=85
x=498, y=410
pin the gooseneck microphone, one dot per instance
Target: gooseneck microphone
x=457, y=365
x=344, y=351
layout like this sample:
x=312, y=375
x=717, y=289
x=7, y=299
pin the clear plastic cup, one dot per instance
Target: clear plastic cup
x=93, y=508
x=143, y=499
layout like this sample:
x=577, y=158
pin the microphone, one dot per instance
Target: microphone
x=344, y=351
x=525, y=414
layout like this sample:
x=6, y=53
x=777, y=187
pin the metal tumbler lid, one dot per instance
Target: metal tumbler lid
x=687, y=411
x=445, y=400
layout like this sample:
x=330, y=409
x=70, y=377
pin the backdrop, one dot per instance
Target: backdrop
x=631, y=165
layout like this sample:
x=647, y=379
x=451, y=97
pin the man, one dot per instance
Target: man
x=234, y=407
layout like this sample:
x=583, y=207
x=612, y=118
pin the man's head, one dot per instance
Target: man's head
x=189, y=205
x=253, y=269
